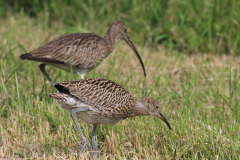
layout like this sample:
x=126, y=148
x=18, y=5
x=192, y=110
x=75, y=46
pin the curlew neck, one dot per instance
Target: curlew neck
x=140, y=109
x=112, y=37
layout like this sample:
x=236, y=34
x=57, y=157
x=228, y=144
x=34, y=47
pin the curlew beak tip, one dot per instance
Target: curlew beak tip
x=164, y=120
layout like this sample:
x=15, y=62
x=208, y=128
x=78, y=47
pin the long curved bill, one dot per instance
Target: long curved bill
x=135, y=50
x=164, y=119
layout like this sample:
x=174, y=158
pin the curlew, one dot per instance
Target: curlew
x=80, y=52
x=100, y=101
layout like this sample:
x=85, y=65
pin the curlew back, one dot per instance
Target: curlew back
x=79, y=49
x=106, y=96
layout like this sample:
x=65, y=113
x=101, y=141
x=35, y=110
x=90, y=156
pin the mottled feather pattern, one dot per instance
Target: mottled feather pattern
x=59, y=96
x=68, y=101
x=106, y=96
x=79, y=49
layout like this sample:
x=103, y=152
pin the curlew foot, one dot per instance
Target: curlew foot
x=94, y=149
x=83, y=145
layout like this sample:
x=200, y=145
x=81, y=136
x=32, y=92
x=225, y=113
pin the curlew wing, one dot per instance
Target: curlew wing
x=106, y=96
x=79, y=49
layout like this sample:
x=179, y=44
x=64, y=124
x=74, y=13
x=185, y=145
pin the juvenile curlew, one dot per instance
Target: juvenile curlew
x=80, y=52
x=99, y=101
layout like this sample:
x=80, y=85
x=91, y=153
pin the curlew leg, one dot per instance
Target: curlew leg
x=94, y=143
x=83, y=142
x=42, y=68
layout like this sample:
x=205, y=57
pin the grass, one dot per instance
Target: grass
x=209, y=26
x=198, y=95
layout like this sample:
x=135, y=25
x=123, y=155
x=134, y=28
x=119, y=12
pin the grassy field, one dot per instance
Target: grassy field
x=189, y=26
x=198, y=94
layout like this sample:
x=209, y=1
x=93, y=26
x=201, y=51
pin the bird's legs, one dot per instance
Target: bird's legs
x=42, y=68
x=93, y=142
x=83, y=142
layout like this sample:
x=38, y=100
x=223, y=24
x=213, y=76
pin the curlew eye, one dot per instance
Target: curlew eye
x=156, y=107
x=126, y=30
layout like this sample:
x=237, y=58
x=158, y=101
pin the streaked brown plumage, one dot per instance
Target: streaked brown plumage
x=79, y=52
x=103, y=102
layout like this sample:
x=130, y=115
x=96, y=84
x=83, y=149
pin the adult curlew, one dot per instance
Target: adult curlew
x=99, y=101
x=80, y=52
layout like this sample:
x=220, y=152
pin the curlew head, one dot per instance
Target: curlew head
x=152, y=107
x=119, y=31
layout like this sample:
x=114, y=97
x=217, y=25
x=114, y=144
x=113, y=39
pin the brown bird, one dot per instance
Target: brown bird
x=80, y=52
x=100, y=101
